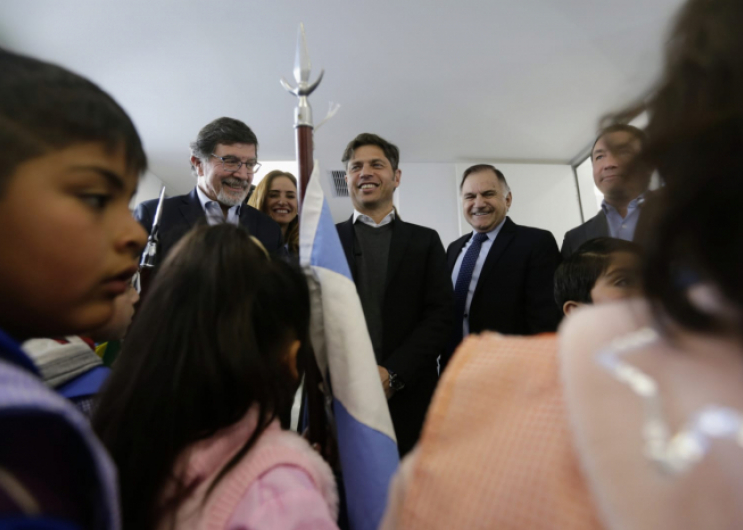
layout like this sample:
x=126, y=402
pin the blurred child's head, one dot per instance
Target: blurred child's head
x=601, y=270
x=118, y=324
x=215, y=336
x=69, y=163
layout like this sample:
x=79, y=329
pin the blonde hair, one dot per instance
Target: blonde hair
x=258, y=201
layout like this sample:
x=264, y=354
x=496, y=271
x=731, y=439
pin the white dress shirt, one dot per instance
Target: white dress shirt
x=213, y=210
x=484, y=250
x=363, y=218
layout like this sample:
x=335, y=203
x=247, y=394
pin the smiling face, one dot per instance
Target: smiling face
x=485, y=200
x=229, y=188
x=70, y=243
x=371, y=179
x=611, y=158
x=281, y=201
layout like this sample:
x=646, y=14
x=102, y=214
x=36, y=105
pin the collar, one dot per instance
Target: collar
x=494, y=232
x=358, y=216
x=11, y=352
x=204, y=200
x=634, y=203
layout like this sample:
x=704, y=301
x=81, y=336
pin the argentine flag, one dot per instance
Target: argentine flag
x=366, y=438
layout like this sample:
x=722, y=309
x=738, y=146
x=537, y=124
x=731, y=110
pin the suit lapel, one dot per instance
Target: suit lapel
x=455, y=250
x=247, y=220
x=600, y=228
x=191, y=208
x=505, y=236
x=345, y=232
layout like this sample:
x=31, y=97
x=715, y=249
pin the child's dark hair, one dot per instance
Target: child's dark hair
x=44, y=108
x=206, y=345
x=695, y=133
x=577, y=275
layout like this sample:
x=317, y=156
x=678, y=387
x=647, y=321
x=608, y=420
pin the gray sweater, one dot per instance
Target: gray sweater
x=371, y=251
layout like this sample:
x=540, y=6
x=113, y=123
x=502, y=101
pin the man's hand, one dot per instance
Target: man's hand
x=384, y=375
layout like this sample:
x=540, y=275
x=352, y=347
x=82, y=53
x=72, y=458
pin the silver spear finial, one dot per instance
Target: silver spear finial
x=302, y=64
x=302, y=68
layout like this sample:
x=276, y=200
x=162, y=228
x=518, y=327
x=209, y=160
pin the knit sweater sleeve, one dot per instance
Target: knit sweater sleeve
x=282, y=498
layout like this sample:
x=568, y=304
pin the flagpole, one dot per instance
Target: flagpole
x=313, y=397
x=303, y=112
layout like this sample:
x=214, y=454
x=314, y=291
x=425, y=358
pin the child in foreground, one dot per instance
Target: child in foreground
x=69, y=164
x=192, y=411
x=601, y=270
x=72, y=366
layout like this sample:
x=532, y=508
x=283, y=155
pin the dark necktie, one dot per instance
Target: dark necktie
x=464, y=279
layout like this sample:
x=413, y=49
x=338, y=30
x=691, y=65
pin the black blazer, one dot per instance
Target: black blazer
x=514, y=294
x=596, y=226
x=417, y=317
x=183, y=212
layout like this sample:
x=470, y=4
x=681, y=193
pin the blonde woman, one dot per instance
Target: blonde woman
x=276, y=196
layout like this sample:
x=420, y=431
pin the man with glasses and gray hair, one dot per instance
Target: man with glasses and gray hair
x=224, y=159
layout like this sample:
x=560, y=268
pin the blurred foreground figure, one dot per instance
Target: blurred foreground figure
x=70, y=160
x=72, y=365
x=597, y=438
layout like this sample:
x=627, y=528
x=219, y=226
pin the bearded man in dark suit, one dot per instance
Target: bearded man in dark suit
x=224, y=159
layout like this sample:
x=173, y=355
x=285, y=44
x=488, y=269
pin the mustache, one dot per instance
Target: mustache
x=235, y=183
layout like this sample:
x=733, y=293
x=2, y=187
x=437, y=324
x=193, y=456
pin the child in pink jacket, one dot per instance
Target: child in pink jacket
x=193, y=409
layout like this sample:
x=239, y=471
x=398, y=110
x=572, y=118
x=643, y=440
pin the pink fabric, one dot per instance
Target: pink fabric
x=251, y=488
x=283, y=498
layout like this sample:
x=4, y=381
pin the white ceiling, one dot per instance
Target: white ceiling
x=445, y=80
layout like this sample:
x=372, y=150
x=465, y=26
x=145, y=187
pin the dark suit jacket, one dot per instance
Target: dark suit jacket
x=596, y=226
x=514, y=294
x=183, y=212
x=417, y=319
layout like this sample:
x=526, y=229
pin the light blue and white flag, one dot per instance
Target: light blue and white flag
x=366, y=439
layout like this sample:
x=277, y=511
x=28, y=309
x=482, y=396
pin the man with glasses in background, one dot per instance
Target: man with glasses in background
x=224, y=159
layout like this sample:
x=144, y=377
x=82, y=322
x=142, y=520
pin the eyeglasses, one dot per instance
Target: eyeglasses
x=232, y=164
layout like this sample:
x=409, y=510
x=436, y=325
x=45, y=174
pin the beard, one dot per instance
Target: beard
x=232, y=198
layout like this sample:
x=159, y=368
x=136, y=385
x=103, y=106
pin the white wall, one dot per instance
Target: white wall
x=427, y=196
x=544, y=196
x=149, y=188
x=590, y=195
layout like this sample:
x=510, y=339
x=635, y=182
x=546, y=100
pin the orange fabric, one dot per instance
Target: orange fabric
x=496, y=449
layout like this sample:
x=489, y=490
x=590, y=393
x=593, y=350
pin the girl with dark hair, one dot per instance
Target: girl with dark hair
x=191, y=413
x=276, y=196
x=633, y=417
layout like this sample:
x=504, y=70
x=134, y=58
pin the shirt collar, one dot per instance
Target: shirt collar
x=634, y=203
x=494, y=232
x=358, y=216
x=204, y=200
